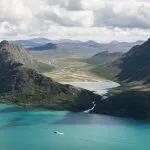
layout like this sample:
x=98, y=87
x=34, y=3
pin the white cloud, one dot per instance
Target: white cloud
x=84, y=19
x=124, y=15
x=61, y=16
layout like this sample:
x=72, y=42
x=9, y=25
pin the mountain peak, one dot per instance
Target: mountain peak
x=14, y=54
x=114, y=42
x=4, y=42
x=148, y=41
x=146, y=44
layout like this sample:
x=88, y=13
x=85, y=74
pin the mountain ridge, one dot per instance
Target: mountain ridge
x=135, y=64
x=25, y=86
x=132, y=98
x=65, y=43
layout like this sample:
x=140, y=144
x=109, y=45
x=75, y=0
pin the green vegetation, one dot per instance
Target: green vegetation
x=51, y=99
x=133, y=104
x=131, y=66
x=69, y=70
x=104, y=58
x=68, y=64
x=107, y=71
x=132, y=98
x=103, y=64
x=23, y=85
x=43, y=67
x=135, y=64
x=128, y=100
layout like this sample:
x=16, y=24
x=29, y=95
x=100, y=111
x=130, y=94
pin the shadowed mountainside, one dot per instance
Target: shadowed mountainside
x=135, y=64
x=129, y=67
x=128, y=103
x=132, y=98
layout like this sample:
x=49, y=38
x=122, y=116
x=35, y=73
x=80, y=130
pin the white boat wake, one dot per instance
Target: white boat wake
x=58, y=133
x=89, y=110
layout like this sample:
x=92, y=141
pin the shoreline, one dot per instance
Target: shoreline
x=98, y=88
x=61, y=80
x=34, y=106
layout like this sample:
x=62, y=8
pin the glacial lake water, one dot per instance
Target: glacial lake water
x=33, y=129
x=100, y=87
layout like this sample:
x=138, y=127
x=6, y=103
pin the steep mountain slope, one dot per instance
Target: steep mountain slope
x=48, y=46
x=13, y=53
x=135, y=64
x=104, y=58
x=22, y=85
x=22, y=56
x=131, y=66
x=103, y=64
x=132, y=98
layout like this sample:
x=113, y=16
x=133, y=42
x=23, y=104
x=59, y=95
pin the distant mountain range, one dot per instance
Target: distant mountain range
x=32, y=42
x=116, y=46
x=113, y=46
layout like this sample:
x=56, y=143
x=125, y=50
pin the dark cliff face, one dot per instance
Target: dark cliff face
x=21, y=84
x=135, y=64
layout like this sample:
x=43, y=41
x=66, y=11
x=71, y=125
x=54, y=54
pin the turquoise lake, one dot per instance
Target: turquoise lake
x=33, y=129
x=26, y=129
